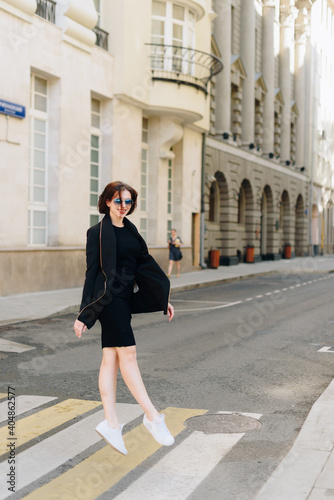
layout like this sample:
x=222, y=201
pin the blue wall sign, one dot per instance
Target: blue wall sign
x=11, y=109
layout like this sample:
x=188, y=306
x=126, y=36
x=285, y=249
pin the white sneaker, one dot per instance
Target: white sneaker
x=159, y=430
x=112, y=436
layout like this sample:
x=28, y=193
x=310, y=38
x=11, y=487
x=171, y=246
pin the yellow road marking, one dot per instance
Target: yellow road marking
x=106, y=467
x=30, y=427
x=3, y=395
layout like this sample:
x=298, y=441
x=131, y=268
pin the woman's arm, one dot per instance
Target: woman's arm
x=92, y=265
x=170, y=311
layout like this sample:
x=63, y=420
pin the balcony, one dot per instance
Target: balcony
x=184, y=66
x=47, y=10
x=101, y=38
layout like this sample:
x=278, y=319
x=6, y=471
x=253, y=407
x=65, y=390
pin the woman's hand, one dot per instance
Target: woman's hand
x=79, y=328
x=170, y=312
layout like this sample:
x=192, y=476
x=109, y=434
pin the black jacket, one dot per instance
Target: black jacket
x=154, y=286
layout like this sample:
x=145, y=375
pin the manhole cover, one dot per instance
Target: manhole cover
x=219, y=423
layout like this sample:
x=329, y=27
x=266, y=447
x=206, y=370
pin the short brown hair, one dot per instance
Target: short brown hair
x=109, y=192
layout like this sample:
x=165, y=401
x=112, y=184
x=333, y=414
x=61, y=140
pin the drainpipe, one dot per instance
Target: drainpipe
x=314, y=117
x=202, y=223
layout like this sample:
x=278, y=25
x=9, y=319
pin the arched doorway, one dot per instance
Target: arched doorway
x=299, y=227
x=315, y=230
x=245, y=220
x=284, y=221
x=266, y=237
x=217, y=218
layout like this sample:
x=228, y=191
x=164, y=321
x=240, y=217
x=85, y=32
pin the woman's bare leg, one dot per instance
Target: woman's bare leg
x=131, y=375
x=108, y=383
x=178, y=265
x=170, y=267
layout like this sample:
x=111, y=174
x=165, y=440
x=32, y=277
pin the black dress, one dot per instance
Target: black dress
x=115, y=318
x=175, y=253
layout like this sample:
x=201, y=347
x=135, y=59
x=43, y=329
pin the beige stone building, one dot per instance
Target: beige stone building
x=107, y=90
x=269, y=155
x=218, y=113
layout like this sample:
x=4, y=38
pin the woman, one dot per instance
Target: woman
x=121, y=278
x=175, y=254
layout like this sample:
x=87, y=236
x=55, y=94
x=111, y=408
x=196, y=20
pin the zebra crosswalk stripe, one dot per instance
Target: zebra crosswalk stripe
x=22, y=404
x=11, y=346
x=44, y=457
x=43, y=421
x=103, y=469
x=177, y=474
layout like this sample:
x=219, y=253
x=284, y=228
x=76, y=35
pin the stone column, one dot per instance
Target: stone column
x=287, y=14
x=268, y=71
x=300, y=81
x=247, y=49
x=222, y=27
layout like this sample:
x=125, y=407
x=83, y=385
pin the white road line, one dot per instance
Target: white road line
x=11, y=346
x=298, y=285
x=269, y=293
x=210, y=308
x=249, y=298
x=23, y=404
x=284, y=289
x=291, y=287
x=259, y=296
x=310, y=282
x=277, y=291
x=52, y=452
x=200, y=301
x=177, y=474
x=326, y=349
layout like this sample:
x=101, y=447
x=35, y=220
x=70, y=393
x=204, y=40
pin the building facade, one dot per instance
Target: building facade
x=111, y=90
x=220, y=114
x=269, y=155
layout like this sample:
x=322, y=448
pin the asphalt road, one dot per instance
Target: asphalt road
x=249, y=346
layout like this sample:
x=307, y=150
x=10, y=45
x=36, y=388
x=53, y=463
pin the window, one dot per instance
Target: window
x=169, y=197
x=232, y=28
x=143, y=228
x=38, y=153
x=213, y=202
x=241, y=206
x=173, y=25
x=95, y=153
x=169, y=229
x=281, y=214
x=144, y=179
x=97, y=4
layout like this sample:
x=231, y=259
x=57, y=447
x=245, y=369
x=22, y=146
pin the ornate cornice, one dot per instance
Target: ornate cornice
x=26, y=6
x=288, y=12
x=302, y=23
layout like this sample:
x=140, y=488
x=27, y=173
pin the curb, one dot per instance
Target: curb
x=305, y=463
x=74, y=309
x=220, y=281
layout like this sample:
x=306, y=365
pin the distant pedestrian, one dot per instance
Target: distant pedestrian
x=175, y=255
x=121, y=279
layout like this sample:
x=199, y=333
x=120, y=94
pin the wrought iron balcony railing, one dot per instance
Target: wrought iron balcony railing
x=183, y=65
x=47, y=10
x=101, y=38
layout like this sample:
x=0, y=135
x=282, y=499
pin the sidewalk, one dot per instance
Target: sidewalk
x=306, y=473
